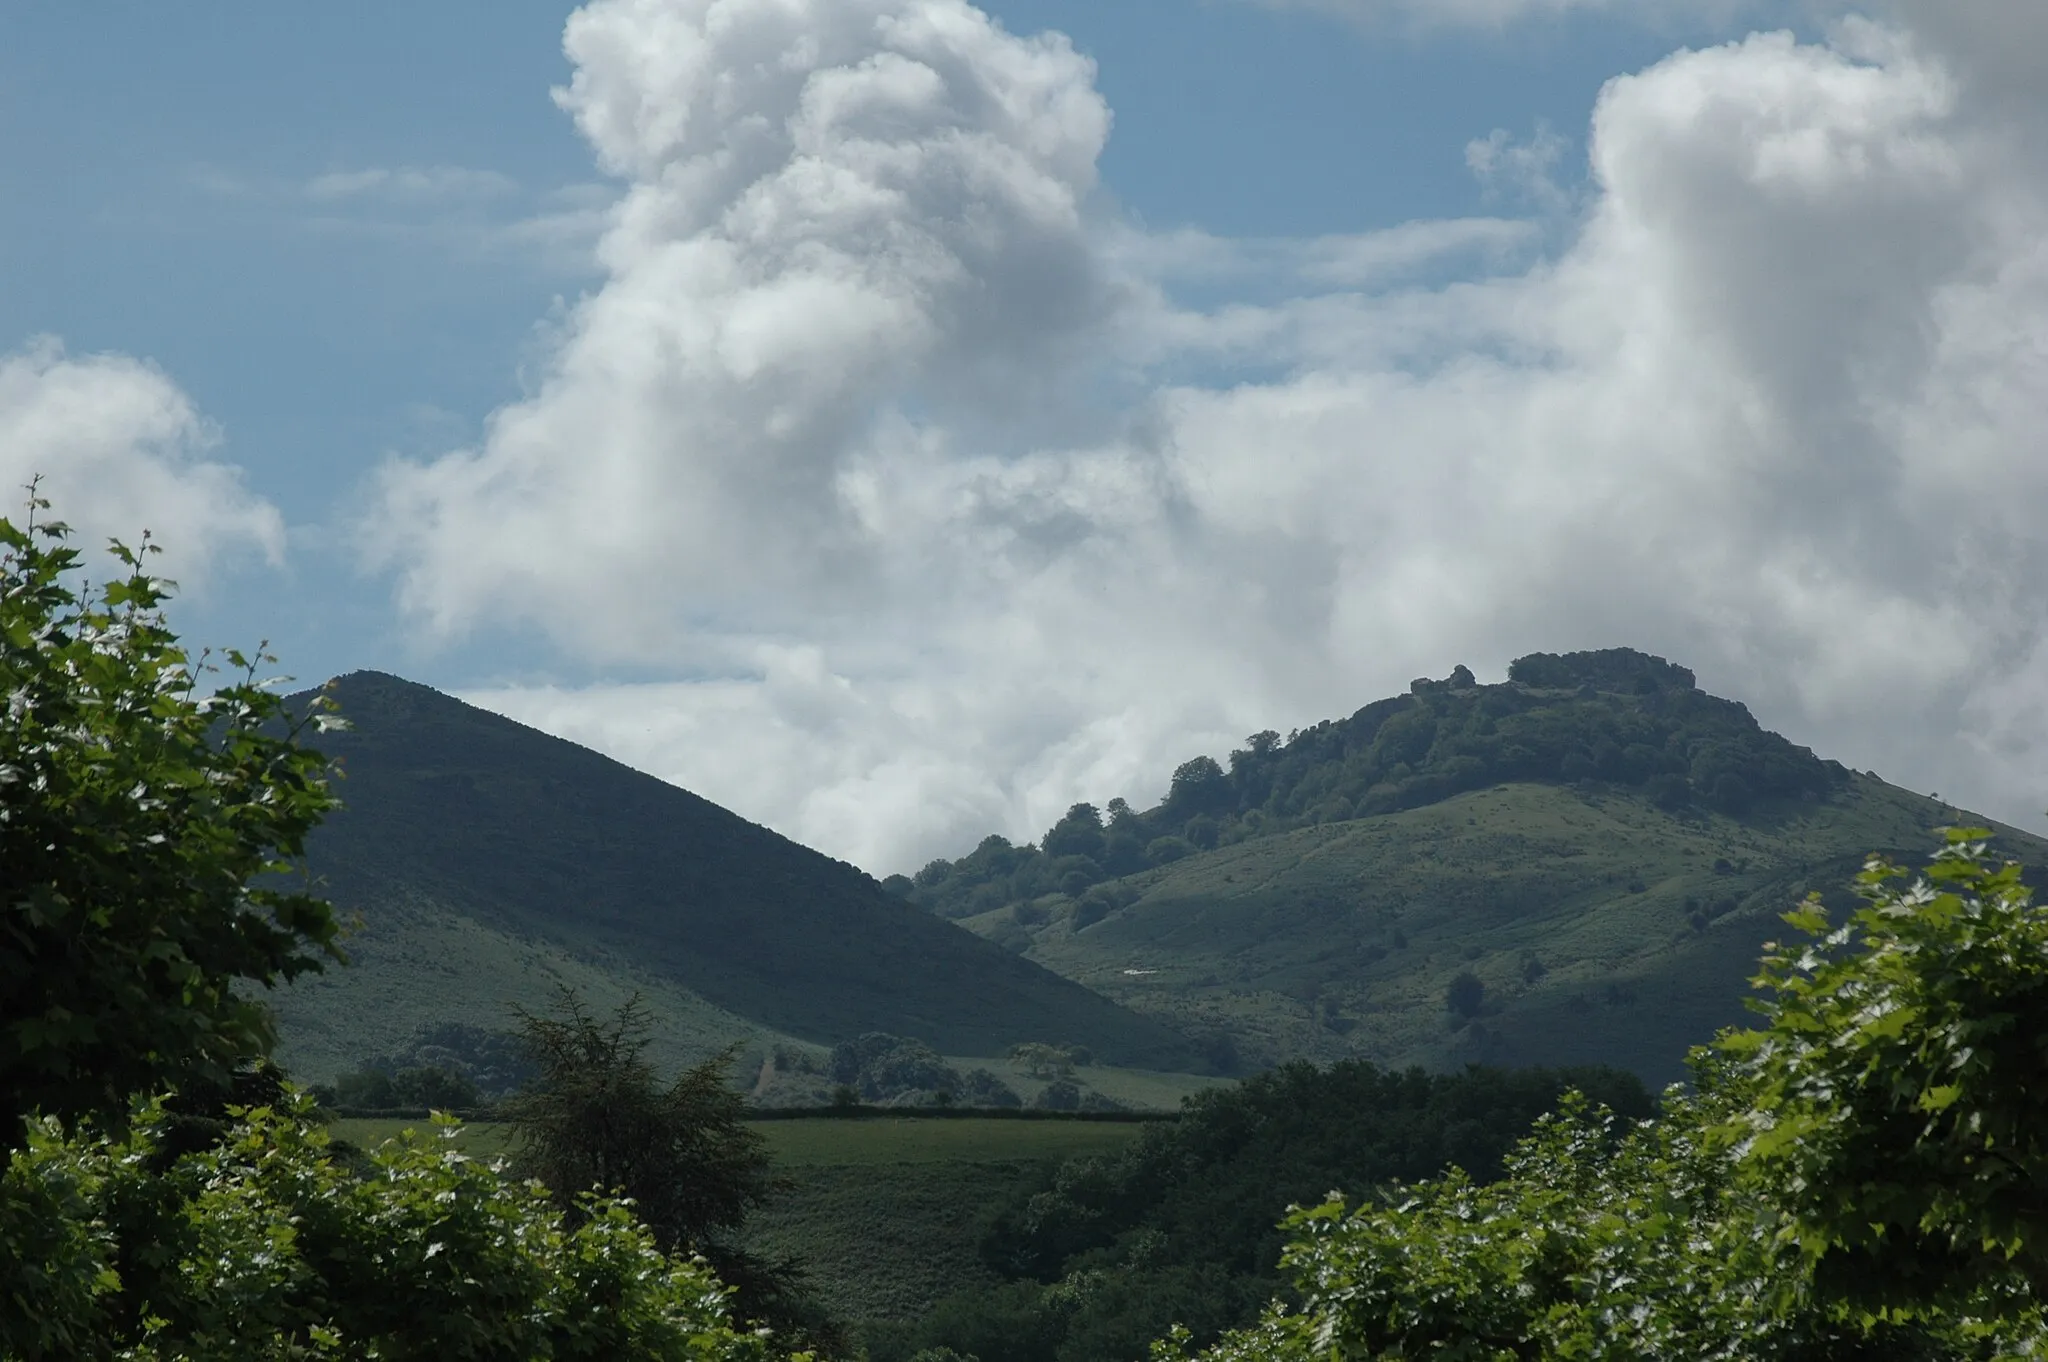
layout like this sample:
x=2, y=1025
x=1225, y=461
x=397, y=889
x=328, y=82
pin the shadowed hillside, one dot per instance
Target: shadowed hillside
x=1577, y=866
x=548, y=859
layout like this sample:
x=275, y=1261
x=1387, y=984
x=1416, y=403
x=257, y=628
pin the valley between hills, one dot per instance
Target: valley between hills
x=1575, y=866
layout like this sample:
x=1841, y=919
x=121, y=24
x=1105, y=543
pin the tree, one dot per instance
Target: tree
x=1859, y=1178
x=1465, y=994
x=1898, y=1099
x=1605, y=1241
x=594, y=1119
x=144, y=826
x=1199, y=786
x=1077, y=834
x=266, y=1244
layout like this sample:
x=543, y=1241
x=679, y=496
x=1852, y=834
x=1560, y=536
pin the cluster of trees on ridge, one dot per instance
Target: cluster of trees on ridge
x=1860, y=1177
x=1615, y=716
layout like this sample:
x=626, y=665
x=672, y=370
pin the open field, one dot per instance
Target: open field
x=852, y=1142
x=884, y=1140
x=884, y=1213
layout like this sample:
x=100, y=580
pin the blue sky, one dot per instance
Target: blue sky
x=1228, y=378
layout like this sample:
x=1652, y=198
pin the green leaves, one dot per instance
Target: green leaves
x=1864, y=1175
x=267, y=1245
x=143, y=824
x=1897, y=1093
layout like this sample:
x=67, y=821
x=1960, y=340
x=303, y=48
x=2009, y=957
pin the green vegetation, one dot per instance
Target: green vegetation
x=874, y=1142
x=539, y=854
x=418, y=967
x=1618, y=718
x=1854, y=1179
x=139, y=813
x=485, y=1140
x=886, y=1213
x=141, y=823
x=594, y=1118
x=1096, y=1258
x=266, y=1245
x=1895, y=1101
x=1602, y=928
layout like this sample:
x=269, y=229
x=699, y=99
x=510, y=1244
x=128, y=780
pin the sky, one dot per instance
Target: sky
x=898, y=420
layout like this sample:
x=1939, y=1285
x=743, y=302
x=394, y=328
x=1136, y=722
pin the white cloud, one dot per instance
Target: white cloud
x=958, y=511
x=1499, y=14
x=410, y=184
x=118, y=447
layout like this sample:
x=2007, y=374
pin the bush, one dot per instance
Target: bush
x=146, y=824
x=267, y=1246
x=1465, y=994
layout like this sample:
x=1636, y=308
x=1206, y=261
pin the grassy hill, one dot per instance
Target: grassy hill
x=1612, y=917
x=487, y=861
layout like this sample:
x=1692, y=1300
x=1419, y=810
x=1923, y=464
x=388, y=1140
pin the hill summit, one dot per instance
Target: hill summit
x=1576, y=865
x=488, y=861
x=1618, y=718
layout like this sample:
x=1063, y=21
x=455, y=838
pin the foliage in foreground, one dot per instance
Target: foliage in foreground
x=1104, y=1256
x=1857, y=1178
x=1899, y=1100
x=138, y=817
x=269, y=1245
x=1601, y=1243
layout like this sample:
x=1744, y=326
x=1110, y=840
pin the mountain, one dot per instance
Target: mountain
x=1599, y=845
x=486, y=861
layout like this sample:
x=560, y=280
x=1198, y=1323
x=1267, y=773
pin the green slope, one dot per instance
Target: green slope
x=1605, y=847
x=1599, y=924
x=416, y=963
x=484, y=858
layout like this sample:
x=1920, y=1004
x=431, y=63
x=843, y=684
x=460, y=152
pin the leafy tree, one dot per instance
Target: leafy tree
x=1181, y=1226
x=266, y=1245
x=1465, y=994
x=144, y=824
x=1605, y=1241
x=1200, y=785
x=1898, y=1097
x=433, y=1087
x=1859, y=1178
x=595, y=1120
x=1077, y=834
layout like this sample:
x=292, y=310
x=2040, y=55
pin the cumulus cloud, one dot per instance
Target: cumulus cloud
x=955, y=503
x=119, y=450
x=1499, y=14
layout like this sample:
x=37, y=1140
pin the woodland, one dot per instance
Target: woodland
x=1855, y=1174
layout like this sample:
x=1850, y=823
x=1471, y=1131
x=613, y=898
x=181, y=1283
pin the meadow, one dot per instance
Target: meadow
x=884, y=1214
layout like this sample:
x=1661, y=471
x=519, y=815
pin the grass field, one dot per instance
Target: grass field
x=883, y=1213
x=882, y=1140
x=824, y=1142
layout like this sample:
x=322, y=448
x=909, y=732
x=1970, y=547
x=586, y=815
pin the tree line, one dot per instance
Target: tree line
x=1615, y=717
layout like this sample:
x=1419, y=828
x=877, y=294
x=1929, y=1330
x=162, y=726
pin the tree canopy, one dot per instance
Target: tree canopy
x=146, y=825
x=1614, y=717
x=1856, y=1178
